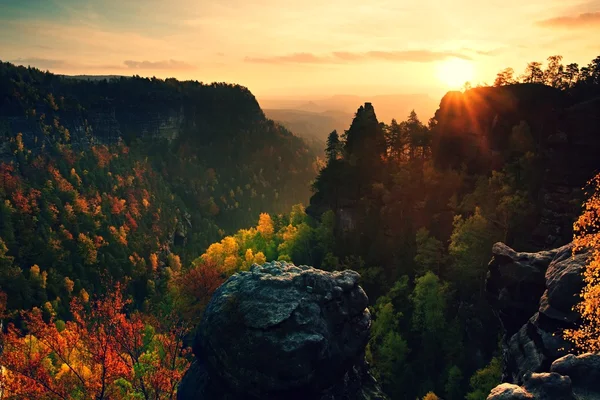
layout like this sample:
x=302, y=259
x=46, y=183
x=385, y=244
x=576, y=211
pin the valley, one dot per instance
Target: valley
x=127, y=204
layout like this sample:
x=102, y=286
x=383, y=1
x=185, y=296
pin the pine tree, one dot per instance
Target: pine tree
x=333, y=147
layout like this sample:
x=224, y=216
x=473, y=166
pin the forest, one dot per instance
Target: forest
x=110, y=247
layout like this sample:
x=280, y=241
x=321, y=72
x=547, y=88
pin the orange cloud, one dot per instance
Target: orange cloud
x=573, y=21
x=42, y=63
x=56, y=64
x=167, y=64
x=421, y=56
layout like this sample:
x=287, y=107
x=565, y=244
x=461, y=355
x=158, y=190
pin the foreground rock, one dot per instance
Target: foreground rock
x=533, y=295
x=280, y=331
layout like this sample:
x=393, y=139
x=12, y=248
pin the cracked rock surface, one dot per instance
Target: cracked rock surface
x=284, y=331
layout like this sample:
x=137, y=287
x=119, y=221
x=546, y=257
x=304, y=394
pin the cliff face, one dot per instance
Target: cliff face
x=283, y=331
x=533, y=295
x=103, y=122
x=571, y=159
x=35, y=103
x=476, y=128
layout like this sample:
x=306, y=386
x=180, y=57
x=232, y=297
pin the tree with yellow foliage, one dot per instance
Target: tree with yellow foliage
x=265, y=226
x=587, y=236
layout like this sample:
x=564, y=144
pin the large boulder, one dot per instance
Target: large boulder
x=584, y=371
x=283, y=331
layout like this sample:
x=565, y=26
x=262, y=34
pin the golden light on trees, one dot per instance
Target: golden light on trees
x=587, y=236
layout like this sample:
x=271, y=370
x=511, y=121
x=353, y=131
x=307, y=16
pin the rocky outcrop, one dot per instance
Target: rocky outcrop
x=475, y=128
x=570, y=156
x=283, y=331
x=533, y=295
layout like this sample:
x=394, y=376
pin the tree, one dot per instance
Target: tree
x=102, y=354
x=397, y=141
x=570, y=75
x=429, y=299
x=453, y=387
x=521, y=140
x=193, y=289
x=533, y=73
x=419, y=137
x=505, y=77
x=470, y=244
x=265, y=226
x=553, y=75
x=333, y=147
x=389, y=350
x=587, y=237
x=485, y=379
x=430, y=252
x=365, y=139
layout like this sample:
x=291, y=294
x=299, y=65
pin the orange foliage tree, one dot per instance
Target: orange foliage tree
x=195, y=287
x=102, y=353
x=587, y=236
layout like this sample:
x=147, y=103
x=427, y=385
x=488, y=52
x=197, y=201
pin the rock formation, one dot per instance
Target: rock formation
x=474, y=129
x=533, y=295
x=281, y=331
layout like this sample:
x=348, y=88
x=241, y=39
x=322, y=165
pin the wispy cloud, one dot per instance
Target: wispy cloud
x=43, y=63
x=339, y=57
x=166, y=64
x=127, y=65
x=492, y=52
x=572, y=21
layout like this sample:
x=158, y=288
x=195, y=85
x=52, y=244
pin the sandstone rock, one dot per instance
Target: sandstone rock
x=549, y=386
x=283, y=331
x=542, y=386
x=584, y=371
x=564, y=282
x=515, y=283
x=507, y=391
x=533, y=295
x=536, y=354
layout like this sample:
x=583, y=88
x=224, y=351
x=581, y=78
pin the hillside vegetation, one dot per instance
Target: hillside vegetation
x=126, y=203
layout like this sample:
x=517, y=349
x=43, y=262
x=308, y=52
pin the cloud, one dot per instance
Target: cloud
x=167, y=64
x=340, y=57
x=572, y=21
x=492, y=52
x=299, y=58
x=128, y=65
x=415, y=55
x=43, y=63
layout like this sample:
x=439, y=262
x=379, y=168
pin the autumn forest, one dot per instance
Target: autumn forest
x=126, y=202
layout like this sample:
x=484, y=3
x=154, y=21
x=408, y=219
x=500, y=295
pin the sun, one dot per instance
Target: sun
x=454, y=72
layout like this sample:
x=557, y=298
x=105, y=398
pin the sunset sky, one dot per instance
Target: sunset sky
x=296, y=47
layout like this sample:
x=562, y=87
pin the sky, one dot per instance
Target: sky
x=299, y=47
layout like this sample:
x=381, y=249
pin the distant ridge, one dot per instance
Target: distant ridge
x=94, y=77
x=388, y=106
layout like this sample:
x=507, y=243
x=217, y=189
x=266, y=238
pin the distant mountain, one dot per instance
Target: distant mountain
x=390, y=106
x=311, y=125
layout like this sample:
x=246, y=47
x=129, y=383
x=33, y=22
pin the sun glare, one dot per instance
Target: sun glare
x=455, y=72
